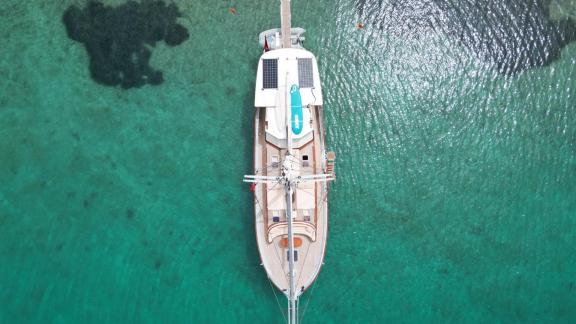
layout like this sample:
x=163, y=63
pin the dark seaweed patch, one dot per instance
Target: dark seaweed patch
x=119, y=39
x=512, y=35
x=87, y=202
x=157, y=264
x=130, y=213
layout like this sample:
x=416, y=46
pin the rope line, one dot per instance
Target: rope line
x=308, y=302
x=276, y=296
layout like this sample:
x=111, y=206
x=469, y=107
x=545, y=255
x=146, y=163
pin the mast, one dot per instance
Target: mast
x=292, y=297
x=289, y=183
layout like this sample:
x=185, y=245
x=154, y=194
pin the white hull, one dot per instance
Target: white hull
x=291, y=169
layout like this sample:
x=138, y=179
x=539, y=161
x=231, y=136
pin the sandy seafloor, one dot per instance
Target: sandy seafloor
x=455, y=200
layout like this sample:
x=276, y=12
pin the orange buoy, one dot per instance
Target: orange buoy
x=232, y=10
x=297, y=242
x=360, y=25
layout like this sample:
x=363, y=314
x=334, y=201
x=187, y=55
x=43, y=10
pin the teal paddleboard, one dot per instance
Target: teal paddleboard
x=297, y=117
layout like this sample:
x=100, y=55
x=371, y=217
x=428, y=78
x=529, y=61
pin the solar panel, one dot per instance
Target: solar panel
x=270, y=73
x=305, y=78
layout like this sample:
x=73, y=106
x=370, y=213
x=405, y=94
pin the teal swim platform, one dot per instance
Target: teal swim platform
x=297, y=117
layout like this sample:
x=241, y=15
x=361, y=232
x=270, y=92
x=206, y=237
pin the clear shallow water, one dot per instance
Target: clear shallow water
x=455, y=199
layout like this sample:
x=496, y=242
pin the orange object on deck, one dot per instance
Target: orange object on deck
x=297, y=242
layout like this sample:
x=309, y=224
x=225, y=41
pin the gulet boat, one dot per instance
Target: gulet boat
x=292, y=169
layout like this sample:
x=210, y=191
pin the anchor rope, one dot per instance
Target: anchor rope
x=276, y=296
x=307, y=302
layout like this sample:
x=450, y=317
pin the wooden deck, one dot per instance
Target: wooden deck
x=312, y=232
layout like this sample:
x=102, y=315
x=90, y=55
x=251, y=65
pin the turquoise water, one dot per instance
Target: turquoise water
x=455, y=200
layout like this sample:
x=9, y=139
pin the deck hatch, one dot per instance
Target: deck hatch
x=295, y=255
x=305, y=77
x=270, y=73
